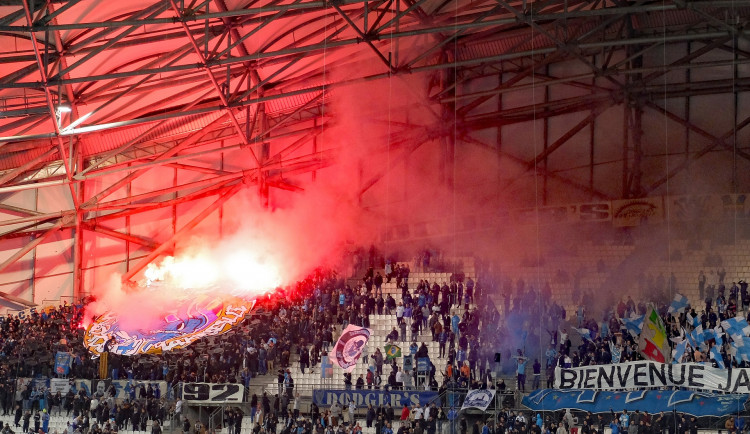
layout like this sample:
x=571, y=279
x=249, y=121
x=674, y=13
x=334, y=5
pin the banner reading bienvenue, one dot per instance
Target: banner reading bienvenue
x=645, y=374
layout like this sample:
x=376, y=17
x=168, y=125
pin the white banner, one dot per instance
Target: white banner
x=648, y=374
x=55, y=384
x=480, y=399
x=635, y=212
x=123, y=388
x=61, y=385
x=212, y=392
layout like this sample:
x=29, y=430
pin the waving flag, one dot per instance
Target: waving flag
x=653, y=342
x=348, y=348
x=634, y=324
x=679, y=303
x=715, y=334
x=736, y=326
x=740, y=352
x=392, y=351
x=739, y=340
x=585, y=333
x=716, y=355
x=693, y=320
x=679, y=351
x=696, y=337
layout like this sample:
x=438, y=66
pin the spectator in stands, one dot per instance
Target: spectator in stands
x=360, y=384
x=537, y=370
x=304, y=357
x=405, y=413
x=521, y=372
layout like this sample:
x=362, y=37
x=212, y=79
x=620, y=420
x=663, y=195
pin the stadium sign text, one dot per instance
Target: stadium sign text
x=212, y=392
x=648, y=374
x=328, y=397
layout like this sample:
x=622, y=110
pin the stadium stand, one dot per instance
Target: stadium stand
x=299, y=319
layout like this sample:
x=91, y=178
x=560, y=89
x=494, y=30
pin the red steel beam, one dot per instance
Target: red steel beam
x=31, y=245
x=119, y=235
x=50, y=104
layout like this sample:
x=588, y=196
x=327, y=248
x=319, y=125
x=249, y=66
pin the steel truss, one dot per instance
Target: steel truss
x=254, y=71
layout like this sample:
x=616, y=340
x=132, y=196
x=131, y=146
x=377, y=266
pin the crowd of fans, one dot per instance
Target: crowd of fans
x=611, y=340
x=297, y=326
x=432, y=419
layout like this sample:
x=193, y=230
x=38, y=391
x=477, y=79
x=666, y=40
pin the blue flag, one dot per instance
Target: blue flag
x=696, y=337
x=716, y=355
x=736, y=326
x=679, y=303
x=679, y=351
x=585, y=333
x=715, y=335
x=741, y=351
x=693, y=320
x=634, y=324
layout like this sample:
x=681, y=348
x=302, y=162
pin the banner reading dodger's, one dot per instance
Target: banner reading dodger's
x=348, y=348
x=648, y=374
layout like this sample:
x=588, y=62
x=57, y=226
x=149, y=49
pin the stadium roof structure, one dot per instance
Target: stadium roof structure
x=94, y=94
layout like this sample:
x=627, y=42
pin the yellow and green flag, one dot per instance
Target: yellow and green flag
x=653, y=342
x=392, y=351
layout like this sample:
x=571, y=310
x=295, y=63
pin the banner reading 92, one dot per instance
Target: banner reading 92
x=212, y=392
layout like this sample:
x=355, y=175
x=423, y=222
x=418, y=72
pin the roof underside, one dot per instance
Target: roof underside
x=146, y=81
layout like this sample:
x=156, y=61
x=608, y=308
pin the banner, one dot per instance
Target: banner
x=363, y=398
x=123, y=388
x=36, y=383
x=190, y=319
x=707, y=207
x=655, y=401
x=649, y=374
x=348, y=348
x=620, y=213
x=61, y=385
x=480, y=399
x=653, y=343
x=634, y=212
x=423, y=364
x=408, y=363
x=212, y=392
x=29, y=312
x=63, y=362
